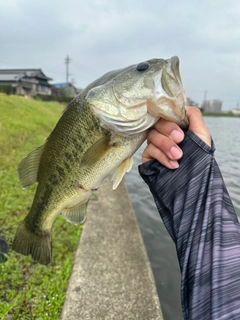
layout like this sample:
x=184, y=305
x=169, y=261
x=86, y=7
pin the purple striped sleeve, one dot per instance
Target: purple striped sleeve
x=198, y=213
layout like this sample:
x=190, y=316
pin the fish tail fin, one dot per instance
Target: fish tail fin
x=27, y=242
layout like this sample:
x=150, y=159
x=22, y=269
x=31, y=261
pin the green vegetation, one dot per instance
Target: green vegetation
x=6, y=88
x=62, y=98
x=29, y=290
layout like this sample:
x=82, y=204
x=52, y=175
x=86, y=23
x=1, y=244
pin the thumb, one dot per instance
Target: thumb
x=197, y=125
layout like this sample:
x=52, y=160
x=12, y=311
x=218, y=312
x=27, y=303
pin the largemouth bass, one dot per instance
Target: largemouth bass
x=96, y=136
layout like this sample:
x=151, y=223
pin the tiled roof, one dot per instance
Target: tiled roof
x=14, y=74
x=9, y=77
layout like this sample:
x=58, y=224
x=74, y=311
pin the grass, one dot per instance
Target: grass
x=29, y=290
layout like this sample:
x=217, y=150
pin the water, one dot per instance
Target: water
x=160, y=247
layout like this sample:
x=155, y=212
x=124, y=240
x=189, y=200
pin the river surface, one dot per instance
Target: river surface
x=160, y=248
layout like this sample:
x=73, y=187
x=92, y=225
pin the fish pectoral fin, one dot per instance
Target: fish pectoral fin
x=77, y=214
x=96, y=151
x=28, y=168
x=118, y=175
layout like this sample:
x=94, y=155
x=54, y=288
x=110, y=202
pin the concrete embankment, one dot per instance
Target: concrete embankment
x=112, y=277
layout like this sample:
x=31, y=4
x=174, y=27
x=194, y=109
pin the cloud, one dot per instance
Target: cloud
x=101, y=35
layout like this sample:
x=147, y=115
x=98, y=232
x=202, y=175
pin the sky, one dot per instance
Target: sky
x=103, y=35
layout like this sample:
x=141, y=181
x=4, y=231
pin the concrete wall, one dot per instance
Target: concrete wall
x=112, y=277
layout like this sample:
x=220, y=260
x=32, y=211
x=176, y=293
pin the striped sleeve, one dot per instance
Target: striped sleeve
x=198, y=213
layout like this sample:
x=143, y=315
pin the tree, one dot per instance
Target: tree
x=191, y=102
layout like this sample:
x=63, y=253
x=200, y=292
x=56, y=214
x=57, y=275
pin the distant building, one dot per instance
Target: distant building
x=236, y=112
x=26, y=81
x=212, y=105
x=65, y=89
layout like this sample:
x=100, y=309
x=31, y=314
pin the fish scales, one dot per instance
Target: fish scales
x=59, y=168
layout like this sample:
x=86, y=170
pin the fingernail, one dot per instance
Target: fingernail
x=177, y=136
x=173, y=164
x=176, y=153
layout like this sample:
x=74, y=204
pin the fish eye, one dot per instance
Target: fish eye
x=143, y=66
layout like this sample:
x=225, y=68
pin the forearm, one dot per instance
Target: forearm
x=198, y=214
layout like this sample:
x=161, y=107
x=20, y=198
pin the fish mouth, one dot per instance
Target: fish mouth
x=184, y=123
x=169, y=94
x=171, y=79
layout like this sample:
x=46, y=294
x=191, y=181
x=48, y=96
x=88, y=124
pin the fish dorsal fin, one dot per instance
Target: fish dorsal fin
x=28, y=168
x=118, y=175
x=76, y=215
x=96, y=151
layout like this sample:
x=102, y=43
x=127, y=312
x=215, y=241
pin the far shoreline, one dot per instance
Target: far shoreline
x=220, y=114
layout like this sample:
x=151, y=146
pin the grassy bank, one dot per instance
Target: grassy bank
x=27, y=289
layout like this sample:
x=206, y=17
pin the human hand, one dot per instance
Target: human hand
x=164, y=137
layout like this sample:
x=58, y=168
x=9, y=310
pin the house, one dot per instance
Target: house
x=65, y=89
x=26, y=81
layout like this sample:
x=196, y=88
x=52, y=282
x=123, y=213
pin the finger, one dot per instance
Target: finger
x=165, y=144
x=169, y=129
x=152, y=152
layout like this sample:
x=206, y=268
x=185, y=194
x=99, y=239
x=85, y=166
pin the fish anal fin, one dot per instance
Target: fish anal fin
x=77, y=214
x=39, y=246
x=118, y=175
x=96, y=151
x=28, y=168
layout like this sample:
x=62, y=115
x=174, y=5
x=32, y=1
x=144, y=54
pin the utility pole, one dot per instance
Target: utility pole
x=67, y=61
